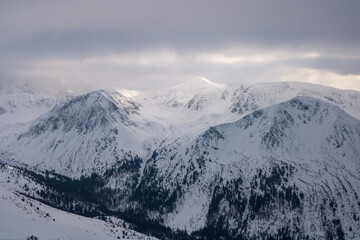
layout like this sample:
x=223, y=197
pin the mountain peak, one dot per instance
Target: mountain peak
x=199, y=83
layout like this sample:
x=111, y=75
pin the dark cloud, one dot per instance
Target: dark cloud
x=68, y=25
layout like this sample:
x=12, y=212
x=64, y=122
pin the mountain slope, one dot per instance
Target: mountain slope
x=265, y=174
x=26, y=217
x=249, y=98
x=83, y=135
x=22, y=108
x=91, y=132
x=218, y=162
x=44, y=88
x=191, y=107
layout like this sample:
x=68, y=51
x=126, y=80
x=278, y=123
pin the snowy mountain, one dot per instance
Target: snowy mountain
x=24, y=101
x=89, y=133
x=23, y=108
x=253, y=97
x=45, y=88
x=23, y=217
x=250, y=178
x=86, y=134
x=200, y=159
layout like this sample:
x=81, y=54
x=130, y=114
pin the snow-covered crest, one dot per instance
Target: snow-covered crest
x=142, y=121
x=257, y=152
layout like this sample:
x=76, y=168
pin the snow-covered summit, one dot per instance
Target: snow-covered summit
x=198, y=84
x=179, y=95
x=247, y=98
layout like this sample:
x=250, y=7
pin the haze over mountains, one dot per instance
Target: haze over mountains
x=199, y=159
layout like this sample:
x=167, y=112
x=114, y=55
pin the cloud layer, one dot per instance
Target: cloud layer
x=145, y=45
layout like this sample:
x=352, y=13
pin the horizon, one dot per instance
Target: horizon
x=35, y=87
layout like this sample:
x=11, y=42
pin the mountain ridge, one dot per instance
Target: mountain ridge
x=246, y=162
x=203, y=156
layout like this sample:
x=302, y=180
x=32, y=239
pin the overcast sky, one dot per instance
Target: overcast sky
x=151, y=44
